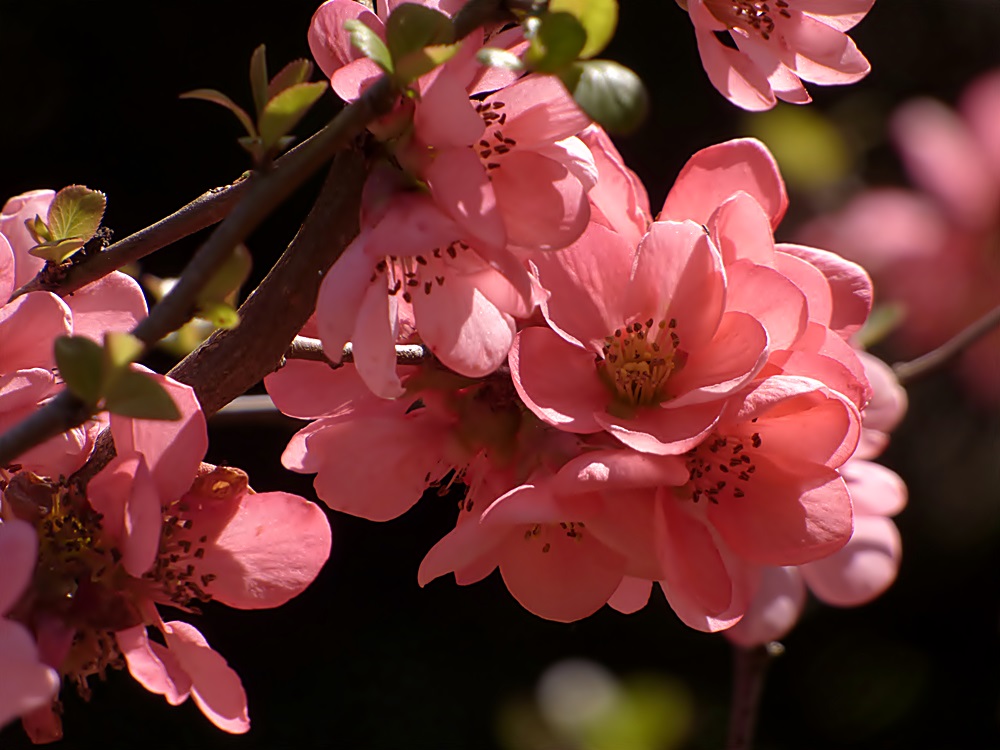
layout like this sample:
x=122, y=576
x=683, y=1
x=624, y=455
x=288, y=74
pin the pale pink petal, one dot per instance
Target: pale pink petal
x=980, y=105
x=462, y=188
x=142, y=520
x=863, y=569
x=664, y=432
x=742, y=231
x=784, y=520
x=308, y=390
x=776, y=607
x=27, y=683
x=529, y=505
x=730, y=360
x=269, y=551
x=23, y=389
x=468, y=544
x=19, y=552
x=340, y=295
x=829, y=371
x=215, y=687
x=820, y=53
x=15, y=212
x=678, y=275
x=875, y=490
x=539, y=110
x=566, y=396
x=544, y=204
x=6, y=269
x=153, y=666
x=619, y=200
x=733, y=74
x=375, y=334
x=445, y=116
x=888, y=404
x=838, y=14
x=850, y=287
x=773, y=299
x=27, y=327
x=559, y=577
x=631, y=595
x=113, y=303
x=172, y=450
x=601, y=470
x=716, y=173
x=331, y=46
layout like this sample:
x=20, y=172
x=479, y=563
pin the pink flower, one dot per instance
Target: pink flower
x=777, y=46
x=933, y=252
x=27, y=683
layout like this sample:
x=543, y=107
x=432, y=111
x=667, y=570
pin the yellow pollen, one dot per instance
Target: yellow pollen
x=638, y=361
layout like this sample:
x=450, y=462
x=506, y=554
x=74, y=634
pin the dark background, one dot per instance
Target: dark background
x=366, y=659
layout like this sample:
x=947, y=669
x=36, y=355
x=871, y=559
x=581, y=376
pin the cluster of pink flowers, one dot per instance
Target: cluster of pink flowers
x=934, y=253
x=627, y=401
x=86, y=567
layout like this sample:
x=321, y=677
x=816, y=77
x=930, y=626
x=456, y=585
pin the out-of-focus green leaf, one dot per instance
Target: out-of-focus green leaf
x=121, y=349
x=598, y=18
x=217, y=97
x=219, y=314
x=499, y=58
x=258, y=78
x=557, y=43
x=228, y=278
x=81, y=366
x=412, y=27
x=284, y=111
x=423, y=60
x=135, y=394
x=297, y=71
x=368, y=43
x=810, y=150
x=610, y=93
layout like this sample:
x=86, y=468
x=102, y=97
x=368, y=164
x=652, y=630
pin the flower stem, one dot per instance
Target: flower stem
x=749, y=670
x=907, y=372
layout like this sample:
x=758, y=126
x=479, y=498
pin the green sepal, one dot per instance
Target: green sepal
x=499, y=58
x=368, y=43
x=599, y=19
x=58, y=250
x=283, y=112
x=610, y=93
x=219, y=314
x=258, y=78
x=557, y=43
x=81, y=366
x=217, y=97
x=412, y=27
x=135, y=394
x=297, y=71
x=37, y=229
x=424, y=60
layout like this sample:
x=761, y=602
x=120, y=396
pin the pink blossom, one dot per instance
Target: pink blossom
x=778, y=45
x=27, y=683
x=932, y=252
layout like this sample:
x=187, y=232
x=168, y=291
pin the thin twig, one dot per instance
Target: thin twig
x=907, y=372
x=749, y=670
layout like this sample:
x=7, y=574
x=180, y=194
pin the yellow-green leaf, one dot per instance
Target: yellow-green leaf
x=37, y=229
x=228, y=279
x=369, y=44
x=499, y=58
x=217, y=97
x=57, y=250
x=135, y=394
x=76, y=212
x=284, y=111
x=121, y=349
x=81, y=366
x=598, y=17
x=424, y=60
x=557, y=42
x=412, y=27
x=297, y=71
x=258, y=78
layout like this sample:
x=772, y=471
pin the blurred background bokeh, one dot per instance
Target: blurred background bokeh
x=366, y=659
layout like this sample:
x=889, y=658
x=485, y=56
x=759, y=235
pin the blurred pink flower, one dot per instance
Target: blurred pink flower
x=934, y=252
x=776, y=45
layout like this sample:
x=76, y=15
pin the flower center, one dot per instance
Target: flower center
x=494, y=144
x=541, y=532
x=720, y=468
x=751, y=15
x=410, y=274
x=637, y=361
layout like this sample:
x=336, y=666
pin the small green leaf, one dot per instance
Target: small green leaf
x=37, y=229
x=135, y=394
x=610, y=93
x=424, y=60
x=297, y=71
x=258, y=78
x=121, y=349
x=217, y=97
x=283, y=112
x=368, y=43
x=81, y=366
x=499, y=58
x=598, y=18
x=219, y=314
x=229, y=278
x=57, y=250
x=412, y=27
x=76, y=212
x=557, y=43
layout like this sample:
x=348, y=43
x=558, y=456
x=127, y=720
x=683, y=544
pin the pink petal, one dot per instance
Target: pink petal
x=375, y=334
x=27, y=683
x=462, y=188
x=6, y=269
x=153, y=666
x=565, y=396
x=850, y=287
x=340, y=295
x=27, y=327
x=775, y=609
x=19, y=552
x=838, y=14
x=980, y=106
x=875, y=490
x=539, y=110
x=172, y=450
x=143, y=519
x=863, y=569
x=664, y=432
x=308, y=390
x=467, y=545
x=601, y=470
x=113, y=303
x=331, y=45
x=715, y=173
x=269, y=551
x=619, y=200
x=742, y=231
x=678, y=275
x=631, y=595
x=543, y=203
x=216, y=688
x=15, y=212
x=773, y=299
x=445, y=117
x=820, y=53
